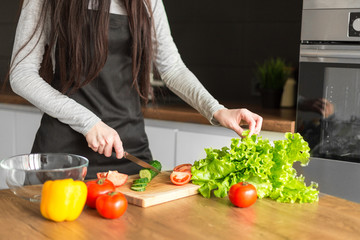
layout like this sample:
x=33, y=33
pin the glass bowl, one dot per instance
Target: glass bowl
x=25, y=174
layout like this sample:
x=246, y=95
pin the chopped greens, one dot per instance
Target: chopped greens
x=268, y=166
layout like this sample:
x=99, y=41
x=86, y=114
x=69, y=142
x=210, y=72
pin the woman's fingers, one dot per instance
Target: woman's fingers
x=253, y=120
x=93, y=144
x=258, y=123
x=118, y=147
x=107, y=149
x=233, y=117
x=103, y=139
x=252, y=125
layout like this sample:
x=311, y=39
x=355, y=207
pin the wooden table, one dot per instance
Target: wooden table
x=189, y=218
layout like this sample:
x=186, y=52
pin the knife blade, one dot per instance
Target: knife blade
x=139, y=162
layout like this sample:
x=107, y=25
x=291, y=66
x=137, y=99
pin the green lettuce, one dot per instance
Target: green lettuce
x=268, y=166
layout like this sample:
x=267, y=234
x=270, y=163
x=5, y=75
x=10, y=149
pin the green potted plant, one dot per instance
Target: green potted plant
x=272, y=75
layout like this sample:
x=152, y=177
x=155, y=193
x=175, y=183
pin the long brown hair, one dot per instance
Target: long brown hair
x=82, y=51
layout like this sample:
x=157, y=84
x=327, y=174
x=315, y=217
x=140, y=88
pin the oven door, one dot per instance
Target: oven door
x=328, y=106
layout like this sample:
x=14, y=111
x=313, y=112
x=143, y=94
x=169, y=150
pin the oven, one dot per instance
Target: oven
x=328, y=101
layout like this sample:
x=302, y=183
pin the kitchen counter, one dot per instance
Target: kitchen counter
x=192, y=217
x=277, y=120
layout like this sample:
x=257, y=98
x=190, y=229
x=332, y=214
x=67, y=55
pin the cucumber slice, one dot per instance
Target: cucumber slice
x=145, y=173
x=139, y=185
x=148, y=173
x=138, y=189
x=141, y=180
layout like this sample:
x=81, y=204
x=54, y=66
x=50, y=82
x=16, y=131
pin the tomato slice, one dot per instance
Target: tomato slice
x=183, y=168
x=180, y=178
x=118, y=179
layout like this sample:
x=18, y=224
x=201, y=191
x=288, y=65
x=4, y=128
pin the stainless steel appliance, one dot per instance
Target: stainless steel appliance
x=328, y=108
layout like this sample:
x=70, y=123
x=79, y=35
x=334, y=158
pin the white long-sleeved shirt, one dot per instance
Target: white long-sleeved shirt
x=26, y=81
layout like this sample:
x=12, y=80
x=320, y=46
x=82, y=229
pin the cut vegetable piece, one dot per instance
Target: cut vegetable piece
x=180, y=178
x=148, y=173
x=145, y=173
x=118, y=179
x=186, y=167
x=141, y=180
x=138, y=189
x=139, y=185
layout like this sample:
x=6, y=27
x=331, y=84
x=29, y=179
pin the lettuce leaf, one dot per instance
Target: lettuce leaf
x=268, y=166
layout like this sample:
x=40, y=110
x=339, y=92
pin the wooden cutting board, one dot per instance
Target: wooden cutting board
x=159, y=190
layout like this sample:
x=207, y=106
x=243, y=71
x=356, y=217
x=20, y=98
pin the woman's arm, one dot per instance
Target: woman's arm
x=26, y=81
x=183, y=82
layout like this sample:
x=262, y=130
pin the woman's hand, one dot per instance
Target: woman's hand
x=231, y=118
x=103, y=139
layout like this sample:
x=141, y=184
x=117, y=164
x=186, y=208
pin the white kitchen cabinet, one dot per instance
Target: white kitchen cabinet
x=190, y=145
x=7, y=139
x=7, y=130
x=18, y=128
x=27, y=123
x=18, y=125
x=162, y=144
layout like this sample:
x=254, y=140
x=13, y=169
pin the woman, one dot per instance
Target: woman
x=86, y=64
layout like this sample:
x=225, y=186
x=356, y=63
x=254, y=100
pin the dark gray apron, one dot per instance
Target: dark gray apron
x=112, y=98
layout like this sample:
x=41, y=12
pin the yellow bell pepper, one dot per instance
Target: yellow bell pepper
x=63, y=200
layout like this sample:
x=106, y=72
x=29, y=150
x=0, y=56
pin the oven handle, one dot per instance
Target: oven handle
x=330, y=53
x=338, y=55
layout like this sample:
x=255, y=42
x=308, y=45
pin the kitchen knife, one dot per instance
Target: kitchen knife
x=139, y=161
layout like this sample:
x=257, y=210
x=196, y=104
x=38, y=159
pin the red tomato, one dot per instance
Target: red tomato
x=180, y=178
x=242, y=194
x=97, y=188
x=183, y=168
x=118, y=179
x=111, y=205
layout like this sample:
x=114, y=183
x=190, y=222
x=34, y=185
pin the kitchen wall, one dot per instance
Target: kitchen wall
x=220, y=41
